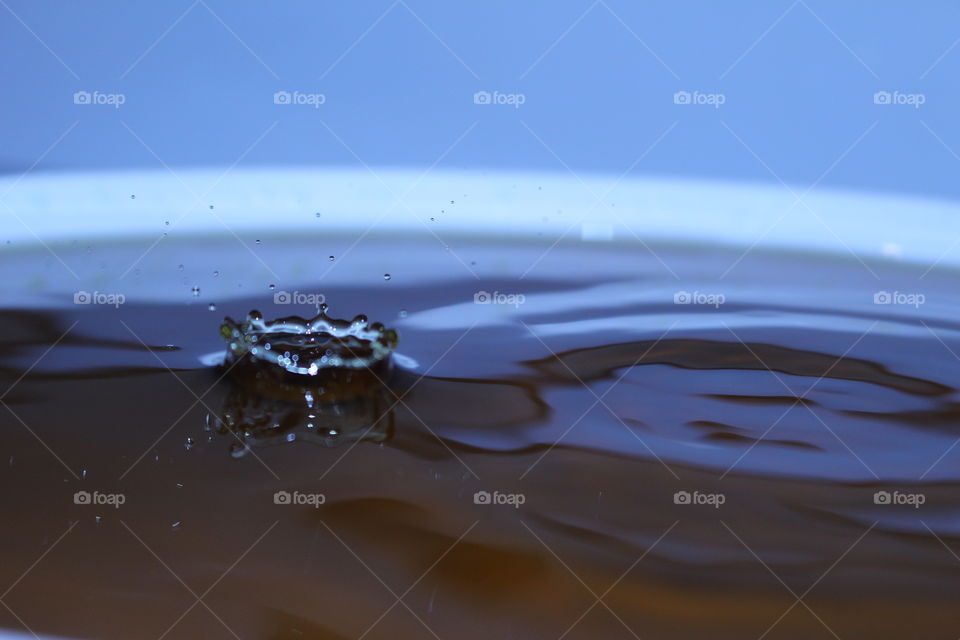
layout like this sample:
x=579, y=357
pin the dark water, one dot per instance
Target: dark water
x=781, y=465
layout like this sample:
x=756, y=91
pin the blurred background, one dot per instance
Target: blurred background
x=808, y=92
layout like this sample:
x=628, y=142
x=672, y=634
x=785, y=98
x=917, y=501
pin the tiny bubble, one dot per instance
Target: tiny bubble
x=133, y=196
x=212, y=307
x=195, y=291
x=211, y=206
x=332, y=258
x=216, y=274
x=403, y=313
x=258, y=242
x=180, y=267
x=386, y=276
x=272, y=287
x=166, y=222
x=188, y=444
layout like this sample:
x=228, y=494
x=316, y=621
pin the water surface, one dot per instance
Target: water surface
x=778, y=463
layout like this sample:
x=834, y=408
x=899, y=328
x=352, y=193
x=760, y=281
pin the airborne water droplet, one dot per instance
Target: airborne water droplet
x=386, y=276
x=332, y=258
x=272, y=287
x=188, y=444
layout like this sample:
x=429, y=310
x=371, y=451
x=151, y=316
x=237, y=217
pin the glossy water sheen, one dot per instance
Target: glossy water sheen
x=584, y=407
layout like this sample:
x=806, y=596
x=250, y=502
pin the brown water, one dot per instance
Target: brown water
x=588, y=413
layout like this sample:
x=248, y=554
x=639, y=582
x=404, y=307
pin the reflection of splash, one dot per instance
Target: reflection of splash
x=257, y=419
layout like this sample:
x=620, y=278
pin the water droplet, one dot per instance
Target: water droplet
x=133, y=196
x=258, y=242
x=433, y=219
x=211, y=206
x=166, y=222
x=403, y=313
x=272, y=287
x=216, y=274
x=97, y=519
x=188, y=444
x=212, y=307
x=386, y=276
x=83, y=474
x=175, y=525
x=180, y=267
x=317, y=214
x=195, y=291
x=332, y=258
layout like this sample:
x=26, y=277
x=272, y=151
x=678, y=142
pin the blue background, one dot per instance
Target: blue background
x=398, y=78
